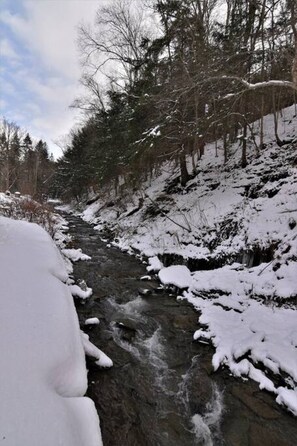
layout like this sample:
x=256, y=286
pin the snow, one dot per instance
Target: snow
x=76, y=291
x=288, y=399
x=102, y=359
x=239, y=326
x=92, y=321
x=154, y=264
x=177, y=275
x=75, y=254
x=238, y=227
x=43, y=375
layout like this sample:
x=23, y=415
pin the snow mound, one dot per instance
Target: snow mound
x=77, y=291
x=154, y=264
x=92, y=321
x=75, y=254
x=177, y=275
x=43, y=375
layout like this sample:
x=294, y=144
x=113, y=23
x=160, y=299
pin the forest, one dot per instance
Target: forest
x=207, y=71
x=26, y=166
x=162, y=79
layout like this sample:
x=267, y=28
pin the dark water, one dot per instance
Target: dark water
x=161, y=390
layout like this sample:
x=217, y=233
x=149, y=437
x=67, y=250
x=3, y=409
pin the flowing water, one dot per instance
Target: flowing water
x=161, y=390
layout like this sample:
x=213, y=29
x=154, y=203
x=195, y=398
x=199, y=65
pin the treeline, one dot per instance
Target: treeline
x=25, y=167
x=209, y=69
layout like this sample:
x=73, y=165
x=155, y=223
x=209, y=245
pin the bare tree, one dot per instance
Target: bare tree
x=293, y=10
x=94, y=100
x=116, y=42
x=9, y=153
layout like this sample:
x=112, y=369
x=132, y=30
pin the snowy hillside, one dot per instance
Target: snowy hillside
x=234, y=231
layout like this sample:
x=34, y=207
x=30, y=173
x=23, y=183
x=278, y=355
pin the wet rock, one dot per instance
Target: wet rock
x=237, y=432
x=126, y=324
x=245, y=394
x=182, y=322
x=144, y=291
x=200, y=390
x=261, y=435
x=208, y=367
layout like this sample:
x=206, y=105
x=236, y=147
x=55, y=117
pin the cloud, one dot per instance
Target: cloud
x=49, y=29
x=7, y=50
x=40, y=72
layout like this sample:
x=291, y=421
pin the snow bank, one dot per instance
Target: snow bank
x=253, y=340
x=43, y=375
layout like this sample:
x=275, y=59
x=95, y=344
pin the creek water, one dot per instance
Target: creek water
x=161, y=390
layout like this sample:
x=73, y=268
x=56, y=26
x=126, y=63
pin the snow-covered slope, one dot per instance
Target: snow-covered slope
x=43, y=374
x=236, y=231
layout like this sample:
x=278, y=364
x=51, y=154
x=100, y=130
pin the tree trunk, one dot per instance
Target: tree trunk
x=261, y=126
x=243, y=153
x=275, y=118
x=225, y=148
x=184, y=174
x=293, y=9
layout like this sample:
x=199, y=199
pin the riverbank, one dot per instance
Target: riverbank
x=236, y=231
x=162, y=389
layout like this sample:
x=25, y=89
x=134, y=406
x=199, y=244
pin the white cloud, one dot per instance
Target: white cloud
x=7, y=50
x=49, y=28
x=7, y=87
x=2, y=104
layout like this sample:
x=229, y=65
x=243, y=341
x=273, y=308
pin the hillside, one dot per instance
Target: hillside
x=231, y=237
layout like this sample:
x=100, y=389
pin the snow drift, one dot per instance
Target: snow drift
x=43, y=374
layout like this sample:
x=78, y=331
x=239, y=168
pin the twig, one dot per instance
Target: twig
x=165, y=215
x=268, y=264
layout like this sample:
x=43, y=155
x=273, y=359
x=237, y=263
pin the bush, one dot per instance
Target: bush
x=27, y=209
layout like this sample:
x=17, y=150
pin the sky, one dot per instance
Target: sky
x=39, y=64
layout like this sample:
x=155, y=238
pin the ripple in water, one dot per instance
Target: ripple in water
x=130, y=308
x=125, y=345
x=206, y=427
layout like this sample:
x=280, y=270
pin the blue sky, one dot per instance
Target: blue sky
x=39, y=64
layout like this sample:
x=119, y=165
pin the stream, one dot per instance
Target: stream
x=161, y=390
